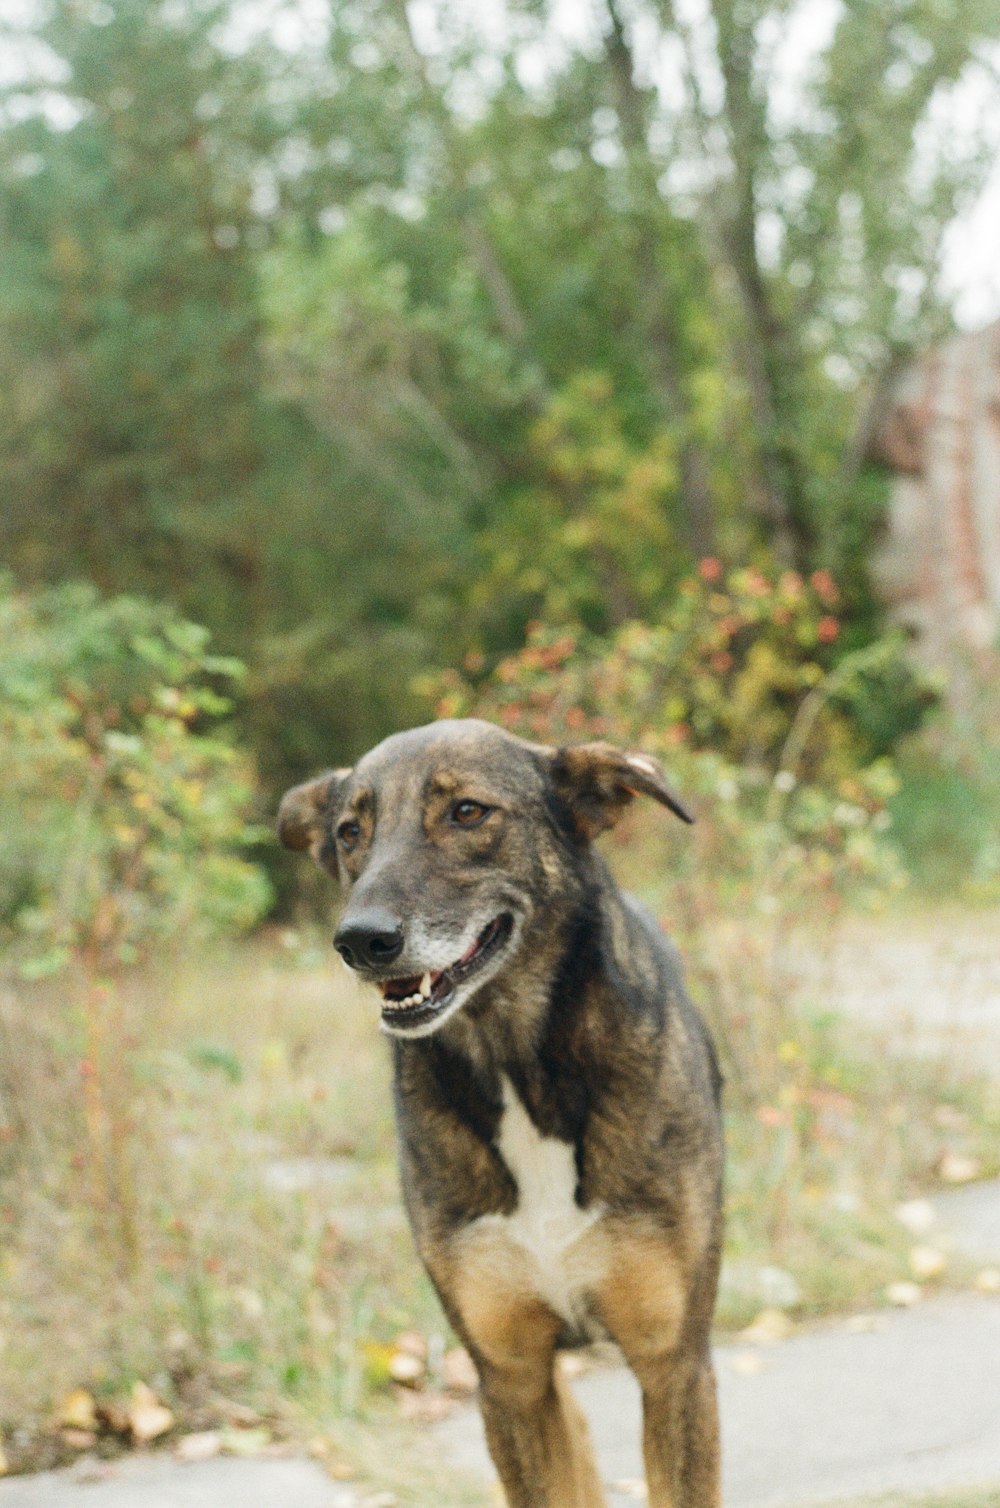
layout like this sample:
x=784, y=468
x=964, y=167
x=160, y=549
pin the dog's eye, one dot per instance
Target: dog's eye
x=348, y=834
x=469, y=813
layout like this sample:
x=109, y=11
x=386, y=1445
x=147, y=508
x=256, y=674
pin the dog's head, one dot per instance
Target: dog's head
x=456, y=842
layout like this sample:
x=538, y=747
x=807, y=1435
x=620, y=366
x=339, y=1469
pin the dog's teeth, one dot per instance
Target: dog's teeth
x=425, y=985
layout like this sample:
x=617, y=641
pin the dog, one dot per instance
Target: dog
x=557, y=1095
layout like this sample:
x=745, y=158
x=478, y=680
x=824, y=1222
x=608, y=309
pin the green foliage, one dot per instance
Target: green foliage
x=368, y=349
x=125, y=809
x=947, y=811
x=609, y=549
x=734, y=690
x=739, y=663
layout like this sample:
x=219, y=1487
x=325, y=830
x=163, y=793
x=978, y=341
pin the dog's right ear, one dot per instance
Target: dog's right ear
x=303, y=809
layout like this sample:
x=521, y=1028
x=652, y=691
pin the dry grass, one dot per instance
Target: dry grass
x=229, y=1229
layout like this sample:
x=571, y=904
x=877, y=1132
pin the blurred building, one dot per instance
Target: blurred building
x=939, y=563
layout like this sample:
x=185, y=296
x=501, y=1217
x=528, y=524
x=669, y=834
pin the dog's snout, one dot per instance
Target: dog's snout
x=369, y=941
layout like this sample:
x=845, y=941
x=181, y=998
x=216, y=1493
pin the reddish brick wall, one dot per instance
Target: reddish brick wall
x=939, y=564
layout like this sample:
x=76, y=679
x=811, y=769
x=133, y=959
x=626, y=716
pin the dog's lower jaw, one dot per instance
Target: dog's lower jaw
x=414, y=1022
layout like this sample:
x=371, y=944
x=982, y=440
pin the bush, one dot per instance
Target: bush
x=124, y=809
x=736, y=690
x=125, y=814
x=730, y=666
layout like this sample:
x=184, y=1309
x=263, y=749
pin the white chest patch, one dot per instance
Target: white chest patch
x=548, y=1225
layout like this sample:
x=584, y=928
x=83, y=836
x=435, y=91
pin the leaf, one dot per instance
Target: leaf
x=148, y=1418
x=200, y=1446
x=244, y=1442
x=78, y=1410
x=770, y=1327
x=904, y=1294
x=209, y=1055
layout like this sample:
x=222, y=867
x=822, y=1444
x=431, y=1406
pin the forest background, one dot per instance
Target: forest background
x=367, y=337
x=371, y=362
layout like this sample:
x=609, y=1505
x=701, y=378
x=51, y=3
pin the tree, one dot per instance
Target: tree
x=132, y=420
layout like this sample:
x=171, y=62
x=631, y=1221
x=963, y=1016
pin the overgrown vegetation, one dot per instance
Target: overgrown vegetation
x=196, y=1151
x=438, y=364
x=366, y=345
x=125, y=810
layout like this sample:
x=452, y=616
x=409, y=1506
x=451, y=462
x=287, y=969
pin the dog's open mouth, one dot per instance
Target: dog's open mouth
x=418, y=998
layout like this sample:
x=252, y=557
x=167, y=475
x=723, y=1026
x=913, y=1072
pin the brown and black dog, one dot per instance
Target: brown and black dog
x=557, y=1095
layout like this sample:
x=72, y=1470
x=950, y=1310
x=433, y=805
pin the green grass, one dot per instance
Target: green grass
x=946, y=814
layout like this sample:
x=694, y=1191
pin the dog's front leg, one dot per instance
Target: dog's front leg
x=645, y=1304
x=535, y=1428
x=537, y=1435
x=680, y=1431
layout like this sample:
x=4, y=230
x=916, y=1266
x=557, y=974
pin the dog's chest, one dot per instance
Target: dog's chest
x=548, y=1226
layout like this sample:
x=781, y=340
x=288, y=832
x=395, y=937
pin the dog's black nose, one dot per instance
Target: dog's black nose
x=370, y=941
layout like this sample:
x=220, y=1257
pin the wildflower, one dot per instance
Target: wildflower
x=825, y=587
x=827, y=630
x=710, y=568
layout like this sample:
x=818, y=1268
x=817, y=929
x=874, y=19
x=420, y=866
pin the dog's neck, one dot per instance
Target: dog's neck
x=539, y=1023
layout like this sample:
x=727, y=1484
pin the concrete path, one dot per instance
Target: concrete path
x=912, y=1405
x=159, y=1481
x=905, y=1401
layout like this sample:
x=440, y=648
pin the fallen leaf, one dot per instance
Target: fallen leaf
x=78, y=1439
x=629, y=1487
x=202, y=1445
x=746, y=1363
x=769, y=1328
x=956, y=1167
x=406, y=1369
x=148, y=1418
x=78, y=1410
x=244, y=1442
x=917, y=1215
x=458, y=1371
x=927, y=1262
x=903, y=1294
x=988, y=1281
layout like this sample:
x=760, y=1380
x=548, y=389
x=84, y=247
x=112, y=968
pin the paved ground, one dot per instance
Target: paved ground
x=161, y=1482
x=912, y=1405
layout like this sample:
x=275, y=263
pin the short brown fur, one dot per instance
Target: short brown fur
x=557, y=1096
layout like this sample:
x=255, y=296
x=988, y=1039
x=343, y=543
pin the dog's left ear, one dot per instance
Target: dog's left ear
x=303, y=809
x=597, y=782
